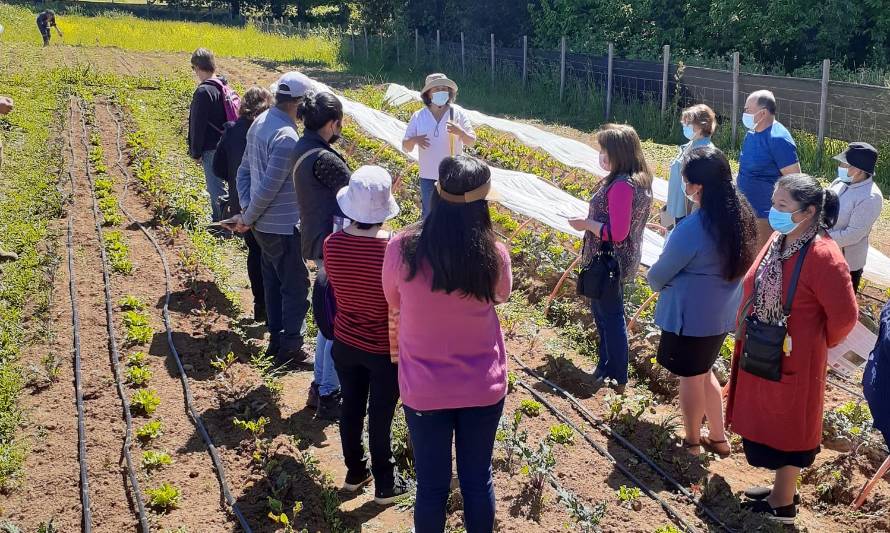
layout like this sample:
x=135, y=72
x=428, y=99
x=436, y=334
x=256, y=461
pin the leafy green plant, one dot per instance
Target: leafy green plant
x=137, y=359
x=279, y=516
x=561, y=434
x=850, y=422
x=145, y=401
x=164, y=498
x=530, y=407
x=401, y=444
x=131, y=303
x=587, y=518
x=626, y=410
x=511, y=381
x=139, y=376
x=256, y=428
x=138, y=329
x=150, y=431
x=152, y=460
x=630, y=497
x=512, y=439
x=48, y=527
x=118, y=252
x=221, y=364
x=667, y=528
x=539, y=466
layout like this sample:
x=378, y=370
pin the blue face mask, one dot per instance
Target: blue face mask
x=781, y=221
x=748, y=121
x=844, y=175
x=688, y=131
x=440, y=98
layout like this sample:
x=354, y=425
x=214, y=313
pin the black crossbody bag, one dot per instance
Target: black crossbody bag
x=765, y=343
x=601, y=278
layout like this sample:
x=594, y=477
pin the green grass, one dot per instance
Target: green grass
x=29, y=204
x=133, y=33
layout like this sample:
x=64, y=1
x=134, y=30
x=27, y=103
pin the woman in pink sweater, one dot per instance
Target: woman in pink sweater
x=442, y=279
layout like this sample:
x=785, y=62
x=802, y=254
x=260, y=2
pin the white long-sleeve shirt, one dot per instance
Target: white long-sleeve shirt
x=860, y=207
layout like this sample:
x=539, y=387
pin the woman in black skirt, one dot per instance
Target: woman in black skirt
x=699, y=274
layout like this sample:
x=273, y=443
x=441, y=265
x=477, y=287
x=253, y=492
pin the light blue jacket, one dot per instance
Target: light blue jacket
x=695, y=300
x=676, y=200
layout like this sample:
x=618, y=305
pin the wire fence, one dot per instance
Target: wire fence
x=824, y=108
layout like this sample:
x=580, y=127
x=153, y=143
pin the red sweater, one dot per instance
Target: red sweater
x=787, y=415
x=354, y=265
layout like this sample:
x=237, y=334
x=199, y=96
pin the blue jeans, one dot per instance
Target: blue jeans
x=473, y=430
x=286, y=283
x=325, y=372
x=613, y=357
x=215, y=186
x=427, y=188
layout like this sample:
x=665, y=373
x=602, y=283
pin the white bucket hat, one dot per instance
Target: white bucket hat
x=368, y=197
x=438, y=80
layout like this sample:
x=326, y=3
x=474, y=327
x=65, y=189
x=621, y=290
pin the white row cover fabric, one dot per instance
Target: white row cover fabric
x=579, y=155
x=520, y=192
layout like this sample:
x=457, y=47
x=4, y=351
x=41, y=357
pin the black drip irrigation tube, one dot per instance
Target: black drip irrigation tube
x=610, y=433
x=609, y=457
x=112, y=340
x=841, y=383
x=86, y=514
x=187, y=392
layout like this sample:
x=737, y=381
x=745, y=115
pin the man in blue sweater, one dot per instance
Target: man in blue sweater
x=269, y=209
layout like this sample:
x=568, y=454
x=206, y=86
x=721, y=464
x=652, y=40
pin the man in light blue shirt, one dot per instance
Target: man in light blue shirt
x=270, y=211
x=768, y=153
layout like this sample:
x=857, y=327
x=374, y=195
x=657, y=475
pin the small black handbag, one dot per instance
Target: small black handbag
x=601, y=278
x=765, y=343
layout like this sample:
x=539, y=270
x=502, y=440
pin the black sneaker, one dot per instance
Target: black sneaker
x=386, y=496
x=782, y=515
x=312, y=399
x=329, y=407
x=357, y=480
x=259, y=313
x=762, y=493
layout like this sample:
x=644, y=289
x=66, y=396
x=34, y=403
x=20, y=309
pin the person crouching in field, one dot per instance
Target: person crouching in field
x=45, y=21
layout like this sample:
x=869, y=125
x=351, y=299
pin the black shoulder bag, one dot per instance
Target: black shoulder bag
x=765, y=343
x=601, y=278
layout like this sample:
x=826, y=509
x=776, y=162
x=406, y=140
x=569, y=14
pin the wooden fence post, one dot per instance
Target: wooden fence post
x=463, y=55
x=823, y=105
x=524, y=60
x=609, y=82
x=398, y=52
x=562, y=67
x=492, y=60
x=367, y=50
x=416, y=45
x=664, y=78
x=438, y=49
x=352, y=43
x=381, y=46
x=735, y=97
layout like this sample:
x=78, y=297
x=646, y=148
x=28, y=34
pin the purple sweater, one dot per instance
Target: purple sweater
x=451, y=349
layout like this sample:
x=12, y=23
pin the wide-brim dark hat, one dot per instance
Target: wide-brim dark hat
x=860, y=155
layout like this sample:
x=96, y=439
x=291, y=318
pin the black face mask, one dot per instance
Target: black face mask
x=334, y=138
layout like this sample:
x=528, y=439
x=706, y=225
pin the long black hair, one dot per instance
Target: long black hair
x=806, y=191
x=457, y=240
x=727, y=216
x=317, y=109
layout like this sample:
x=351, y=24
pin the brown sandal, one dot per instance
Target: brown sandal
x=711, y=446
x=689, y=445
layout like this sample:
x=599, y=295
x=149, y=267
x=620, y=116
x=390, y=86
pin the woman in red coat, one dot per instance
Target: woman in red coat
x=781, y=421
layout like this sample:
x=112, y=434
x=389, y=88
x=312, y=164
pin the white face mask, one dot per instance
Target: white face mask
x=440, y=98
x=692, y=196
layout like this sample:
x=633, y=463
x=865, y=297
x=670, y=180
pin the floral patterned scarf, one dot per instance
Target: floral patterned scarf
x=768, y=279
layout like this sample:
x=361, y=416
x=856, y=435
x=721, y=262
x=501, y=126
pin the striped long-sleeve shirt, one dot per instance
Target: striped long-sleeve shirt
x=265, y=189
x=354, y=265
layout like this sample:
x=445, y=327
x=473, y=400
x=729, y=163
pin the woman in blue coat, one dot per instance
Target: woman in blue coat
x=699, y=275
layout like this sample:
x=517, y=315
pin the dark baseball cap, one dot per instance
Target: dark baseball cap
x=860, y=155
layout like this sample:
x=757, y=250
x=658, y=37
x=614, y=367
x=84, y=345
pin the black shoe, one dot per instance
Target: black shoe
x=312, y=399
x=762, y=493
x=357, y=480
x=782, y=515
x=329, y=407
x=386, y=496
x=294, y=359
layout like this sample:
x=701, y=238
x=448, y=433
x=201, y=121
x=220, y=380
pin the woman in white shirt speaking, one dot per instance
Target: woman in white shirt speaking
x=439, y=130
x=861, y=202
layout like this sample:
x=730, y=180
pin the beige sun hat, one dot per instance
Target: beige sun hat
x=438, y=80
